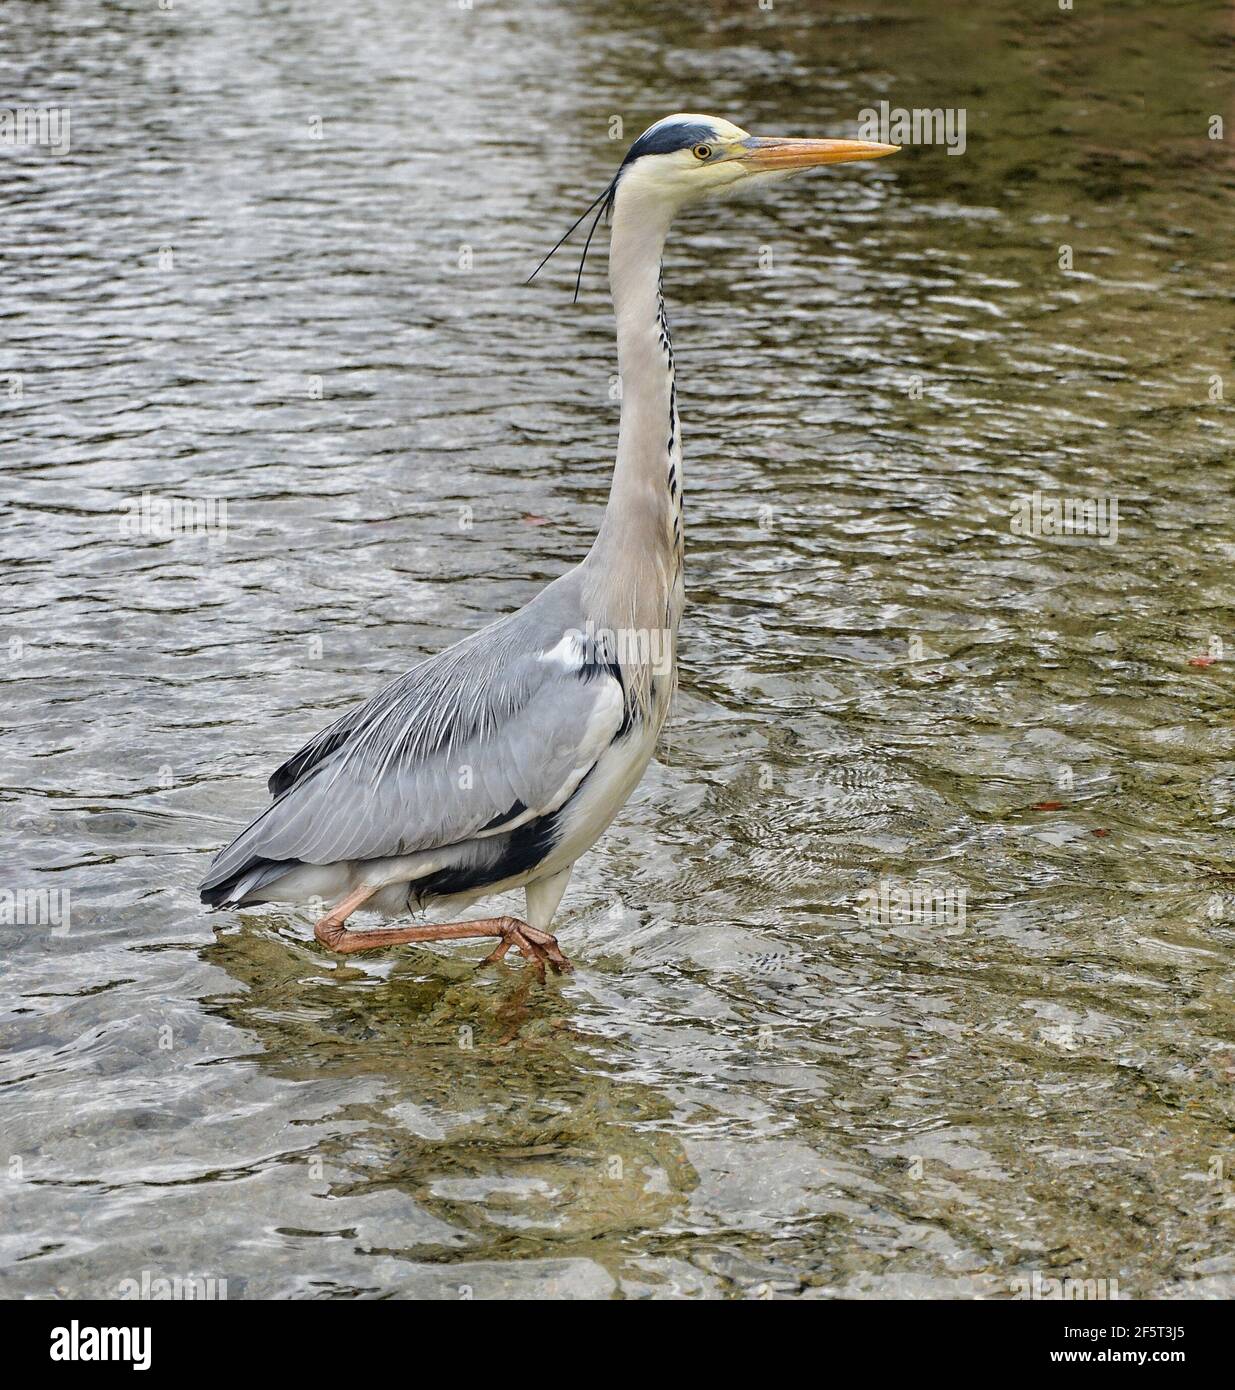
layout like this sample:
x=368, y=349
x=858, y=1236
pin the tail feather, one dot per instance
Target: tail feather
x=241, y=883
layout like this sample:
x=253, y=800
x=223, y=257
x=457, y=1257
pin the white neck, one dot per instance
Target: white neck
x=641, y=535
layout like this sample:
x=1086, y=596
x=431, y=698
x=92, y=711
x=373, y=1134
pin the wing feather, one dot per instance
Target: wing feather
x=495, y=731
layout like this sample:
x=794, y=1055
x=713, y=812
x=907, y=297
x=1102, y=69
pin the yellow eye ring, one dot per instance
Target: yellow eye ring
x=703, y=151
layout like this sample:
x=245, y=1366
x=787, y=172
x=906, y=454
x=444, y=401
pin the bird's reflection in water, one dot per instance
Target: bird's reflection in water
x=476, y=1094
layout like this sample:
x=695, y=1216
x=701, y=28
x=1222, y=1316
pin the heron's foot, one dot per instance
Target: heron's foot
x=538, y=946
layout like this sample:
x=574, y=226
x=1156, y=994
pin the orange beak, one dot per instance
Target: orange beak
x=772, y=153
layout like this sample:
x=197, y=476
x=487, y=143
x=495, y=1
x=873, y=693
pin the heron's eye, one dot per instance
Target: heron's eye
x=703, y=151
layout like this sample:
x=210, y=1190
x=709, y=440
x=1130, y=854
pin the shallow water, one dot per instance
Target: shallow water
x=750, y=1087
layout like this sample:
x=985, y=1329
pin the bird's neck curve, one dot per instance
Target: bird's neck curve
x=640, y=539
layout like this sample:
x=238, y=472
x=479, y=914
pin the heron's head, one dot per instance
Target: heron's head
x=684, y=159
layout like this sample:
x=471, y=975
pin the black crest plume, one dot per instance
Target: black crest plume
x=603, y=206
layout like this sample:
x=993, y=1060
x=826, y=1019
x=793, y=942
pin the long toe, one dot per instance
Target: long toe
x=536, y=957
x=548, y=944
x=498, y=952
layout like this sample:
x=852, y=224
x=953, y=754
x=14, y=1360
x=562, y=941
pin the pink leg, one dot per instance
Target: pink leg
x=538, y=946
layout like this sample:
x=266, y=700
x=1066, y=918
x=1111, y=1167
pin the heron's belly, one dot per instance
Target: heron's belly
x=608, y=788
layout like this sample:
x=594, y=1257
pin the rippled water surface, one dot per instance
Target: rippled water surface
x=283, y=266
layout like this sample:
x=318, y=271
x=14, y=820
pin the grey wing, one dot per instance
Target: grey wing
x=491, y=733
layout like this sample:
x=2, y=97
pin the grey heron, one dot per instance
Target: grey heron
x=496, y=763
